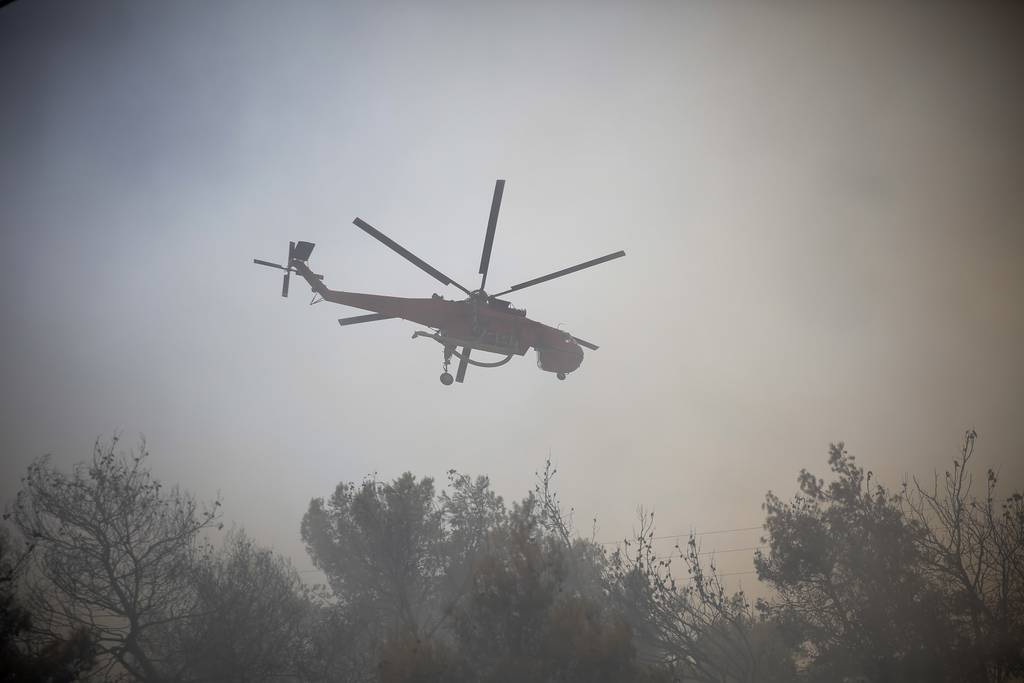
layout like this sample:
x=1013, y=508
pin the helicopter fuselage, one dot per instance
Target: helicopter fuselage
x=480, y=322
x=493, y=326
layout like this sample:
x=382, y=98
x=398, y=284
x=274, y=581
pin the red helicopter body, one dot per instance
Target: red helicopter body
x=480, y=322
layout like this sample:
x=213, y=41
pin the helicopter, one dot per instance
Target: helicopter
x=480, y=322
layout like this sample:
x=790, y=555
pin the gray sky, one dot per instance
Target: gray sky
x=821, y=205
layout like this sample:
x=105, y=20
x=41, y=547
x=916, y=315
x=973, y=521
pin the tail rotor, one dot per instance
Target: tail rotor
x=300, y=251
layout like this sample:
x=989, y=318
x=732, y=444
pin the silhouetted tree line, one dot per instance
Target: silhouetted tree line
x=105, y=574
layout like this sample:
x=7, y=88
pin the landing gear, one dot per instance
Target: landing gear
x=560, y=375
x=446, y=377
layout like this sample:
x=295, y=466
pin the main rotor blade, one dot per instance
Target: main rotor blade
x=268, y=263
x=492, y=224
x=406, y=254
x=284, y=285
x=463, y=364
x=560, y=273
x=583, y=342
x=363, y=319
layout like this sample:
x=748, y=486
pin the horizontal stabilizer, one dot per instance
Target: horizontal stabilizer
x=363, y=319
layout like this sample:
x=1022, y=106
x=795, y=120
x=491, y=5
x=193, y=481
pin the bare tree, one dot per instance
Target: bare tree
x=113, y=554
x=692, y=625
x=25, y=655
x=972, y=550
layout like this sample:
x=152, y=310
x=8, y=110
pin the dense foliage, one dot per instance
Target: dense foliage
x=926, y=583
x=112, y=576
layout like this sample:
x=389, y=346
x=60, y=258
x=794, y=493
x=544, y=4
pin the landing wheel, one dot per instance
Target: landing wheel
x=446, y=378
x=560, y=375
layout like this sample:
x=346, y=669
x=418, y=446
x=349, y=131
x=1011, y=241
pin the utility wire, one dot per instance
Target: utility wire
x=732, y=550
x=703, y=533
x=712, y=552
x=660, y=557
x=737, y=573
x=666, y=557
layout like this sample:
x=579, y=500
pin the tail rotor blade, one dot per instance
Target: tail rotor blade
x=268, y=263
x=492, y=224
x=284, y=284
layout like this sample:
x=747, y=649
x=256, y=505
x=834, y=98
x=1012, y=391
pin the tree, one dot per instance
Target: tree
x=844, y=564
x=114, y=554
x=341, y=645
x=253, y=612
x=24, y=654
x=382, y=547
x=692, y=626
x=924, y=584
x=472, y=515
x=468, y=589
x=14, y=619
x=972, y=551
x=524, y=619
x=399, y=558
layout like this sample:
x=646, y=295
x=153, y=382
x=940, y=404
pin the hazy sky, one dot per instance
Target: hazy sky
x=821, y=205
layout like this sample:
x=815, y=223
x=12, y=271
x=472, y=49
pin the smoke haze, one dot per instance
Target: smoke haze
x=821, y=208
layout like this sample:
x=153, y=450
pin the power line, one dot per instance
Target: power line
x=712, y=552
x=703, y=533
x=660, y=557
x=737, y=573
x=311, y=571
x=659, y=538
x=732, y=550
x=689, y=582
